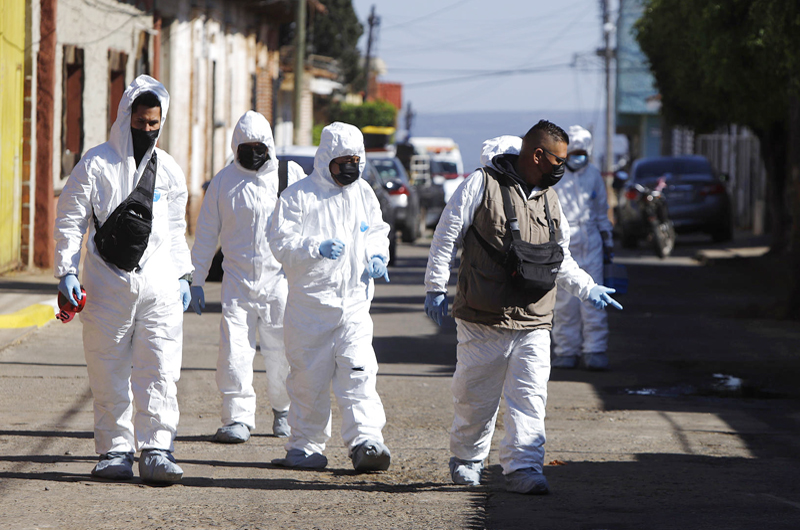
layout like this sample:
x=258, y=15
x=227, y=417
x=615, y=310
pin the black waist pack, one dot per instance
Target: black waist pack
x=530, y=267
x=123, y=238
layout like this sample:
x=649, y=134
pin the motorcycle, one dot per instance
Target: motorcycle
x=653, y=208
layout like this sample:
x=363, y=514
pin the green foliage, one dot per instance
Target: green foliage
x=378, y=113
x=722, y=61
x=335, y=34
x=316, y=133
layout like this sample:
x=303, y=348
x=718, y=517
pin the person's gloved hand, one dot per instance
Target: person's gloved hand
x=377, y=268
x=331, y=248
x=69, y=286
x=608, y=254
x=186, y=294
x=599, y=297
x=198, y=299
x=436, y=306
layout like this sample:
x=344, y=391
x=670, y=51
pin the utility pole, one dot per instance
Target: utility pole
x=373, y=21
x=299, y=68
x=608, y=28
x=409, y=119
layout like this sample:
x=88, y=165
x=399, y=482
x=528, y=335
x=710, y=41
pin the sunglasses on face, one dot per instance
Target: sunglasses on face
x=558, y=158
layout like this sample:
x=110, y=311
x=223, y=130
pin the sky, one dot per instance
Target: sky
x=492, y=55
x=474, y=69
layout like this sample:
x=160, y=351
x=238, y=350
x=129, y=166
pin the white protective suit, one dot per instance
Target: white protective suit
x=133, y=321
x=493, y=361
x=580, y=328
x=236, y=210
x=327, y=328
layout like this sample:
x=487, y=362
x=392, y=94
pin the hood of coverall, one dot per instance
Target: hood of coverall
x=497, y=146
x=120, y=136
x=337, y=139
x=579, y=139
x=254, y=127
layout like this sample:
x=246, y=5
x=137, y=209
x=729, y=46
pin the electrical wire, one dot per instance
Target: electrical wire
x=429, y=15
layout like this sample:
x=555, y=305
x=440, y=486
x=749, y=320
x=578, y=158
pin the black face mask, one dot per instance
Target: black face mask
x=142, y=141
x=552, y=178
x=252, y=157
x=348, y=173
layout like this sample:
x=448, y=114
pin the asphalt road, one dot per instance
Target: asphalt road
x=653, y=443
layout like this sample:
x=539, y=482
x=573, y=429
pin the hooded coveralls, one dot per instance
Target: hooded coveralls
x=503, y=359
x=133, y=321
x=327, y=327
x=580, y=328
x=237, y=206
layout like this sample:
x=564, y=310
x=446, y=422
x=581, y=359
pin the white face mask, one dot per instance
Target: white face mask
x=577, y=162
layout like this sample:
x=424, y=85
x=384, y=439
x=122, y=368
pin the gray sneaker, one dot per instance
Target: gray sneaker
x=114, y=465
x=298, y=459
x=466, y=472
x=280, y=423
x=527, y=481
x=564, y=361
x=595, y=361
x=371, y=456
x=158, y=465
x=235, y=433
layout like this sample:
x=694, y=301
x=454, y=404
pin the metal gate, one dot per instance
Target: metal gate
x=738, y=155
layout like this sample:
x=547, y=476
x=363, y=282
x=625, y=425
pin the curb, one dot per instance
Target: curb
x=34, y=315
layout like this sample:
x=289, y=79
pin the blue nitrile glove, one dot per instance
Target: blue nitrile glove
x=198, y=299
x=377, y=268
x=599, y=297
x=69, y=285
x=436, y=306
x=186, y=294
x=331, y=248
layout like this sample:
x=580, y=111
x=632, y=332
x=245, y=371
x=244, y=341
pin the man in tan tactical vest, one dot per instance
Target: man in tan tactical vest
x=504, y=331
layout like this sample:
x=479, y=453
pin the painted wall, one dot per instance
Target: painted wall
x=12, y=59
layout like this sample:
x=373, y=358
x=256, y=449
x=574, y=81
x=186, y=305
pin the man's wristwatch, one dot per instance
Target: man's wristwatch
x=187, y=277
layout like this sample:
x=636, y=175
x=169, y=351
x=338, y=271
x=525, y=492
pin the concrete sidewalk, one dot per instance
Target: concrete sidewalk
x=28, y=301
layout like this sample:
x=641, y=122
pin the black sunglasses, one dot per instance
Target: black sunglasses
x=558, y=158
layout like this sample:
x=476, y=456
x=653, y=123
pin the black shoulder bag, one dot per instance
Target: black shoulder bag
x=283, y=175
x=531, y=267
x=123, y=238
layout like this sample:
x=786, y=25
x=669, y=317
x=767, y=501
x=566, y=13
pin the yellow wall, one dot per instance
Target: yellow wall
x=12, y=45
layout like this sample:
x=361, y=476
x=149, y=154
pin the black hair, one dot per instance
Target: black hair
x=548, y=128
x=146, y=99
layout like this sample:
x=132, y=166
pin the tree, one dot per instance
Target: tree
x=335, y=34
x=718, y=62
x=378, y=113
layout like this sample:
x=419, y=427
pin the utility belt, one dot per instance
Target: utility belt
x=530, y=267
x=123, y=238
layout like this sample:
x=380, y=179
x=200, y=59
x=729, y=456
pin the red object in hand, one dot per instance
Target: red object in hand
x=67, y=310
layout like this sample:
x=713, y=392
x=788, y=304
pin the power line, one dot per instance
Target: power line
x=518, y=71
x=429, y=15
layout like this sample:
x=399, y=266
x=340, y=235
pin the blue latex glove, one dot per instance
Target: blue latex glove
x=71, y=288
x=198, y=299
x=436, y=306
x=599, y=297
x=377, y=268
x=331, y=248
x=186, y=294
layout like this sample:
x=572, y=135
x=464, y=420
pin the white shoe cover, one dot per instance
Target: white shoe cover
x=158, y=465
x=298, y=459
x=564, y=361
x=235, y=433
x=595, y=361
x=371, y=456
x=527, y=481
x=466, y=472
x=280, y=423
